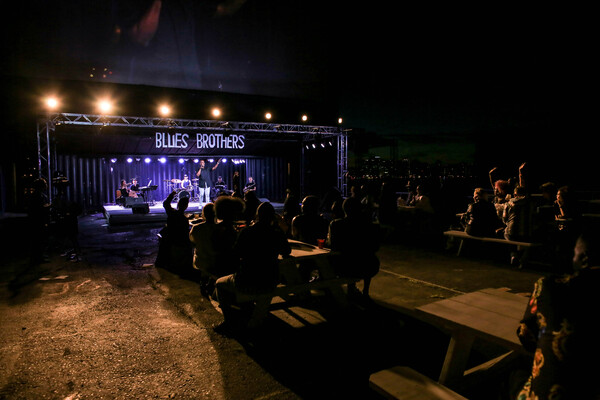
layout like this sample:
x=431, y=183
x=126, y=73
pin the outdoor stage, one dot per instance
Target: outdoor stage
x=118, y=215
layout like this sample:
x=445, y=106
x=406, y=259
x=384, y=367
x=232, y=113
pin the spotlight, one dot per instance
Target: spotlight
x=216, y=112
x=147, y=160
x=162, y=160
x=304, y=118
x=51, y=103
x=113, y=160
x=314, y=146
x=339, y=120
x=165, y=110
x=268, y=115
x=181, y=161
x=196, y=161
x=224, y=160
x=105, y=106
x=130, y=160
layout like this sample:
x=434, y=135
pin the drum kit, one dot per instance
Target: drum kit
x=189, y=191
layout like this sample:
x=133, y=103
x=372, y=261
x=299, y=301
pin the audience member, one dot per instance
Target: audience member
x=227, y=211
x=291, y=208
x=357, y=240
x=252, y=202
x=203, y=236
x=567, y=215
x=518, y=219
x=175, y=250
x=258, y=248
x=310, y=225
x=559, y=330
x=331, y=196
x=481, y=219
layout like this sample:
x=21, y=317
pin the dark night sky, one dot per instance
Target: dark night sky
x=496, y=80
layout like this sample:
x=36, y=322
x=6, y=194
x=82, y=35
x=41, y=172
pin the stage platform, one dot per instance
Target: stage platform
x=118, y=215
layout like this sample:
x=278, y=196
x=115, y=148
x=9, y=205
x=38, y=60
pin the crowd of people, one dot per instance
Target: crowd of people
x=234, y=247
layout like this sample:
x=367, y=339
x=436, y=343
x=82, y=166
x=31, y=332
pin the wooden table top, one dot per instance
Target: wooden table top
x=492, y=314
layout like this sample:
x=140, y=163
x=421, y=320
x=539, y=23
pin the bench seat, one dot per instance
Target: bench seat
x=263, y=300
x=521, y=246
x=404, y=383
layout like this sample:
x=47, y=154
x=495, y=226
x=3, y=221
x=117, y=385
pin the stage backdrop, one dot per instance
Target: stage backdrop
x=96, y=159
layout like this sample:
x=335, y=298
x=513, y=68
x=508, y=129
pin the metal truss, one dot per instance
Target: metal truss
x=152, y=122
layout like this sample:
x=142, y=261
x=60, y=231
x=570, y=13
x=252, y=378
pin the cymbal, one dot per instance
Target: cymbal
x=166, y=180
x=176, y=180
x=194, y=179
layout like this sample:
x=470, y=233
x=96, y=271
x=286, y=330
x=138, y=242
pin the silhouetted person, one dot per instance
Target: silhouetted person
x=310, y=225
x=203, y=236
x=480, y=218
x=175, y=250
x=258, y=248
x=357, y=239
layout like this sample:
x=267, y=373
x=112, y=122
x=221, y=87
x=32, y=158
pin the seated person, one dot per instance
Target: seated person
x=258, y=248
x=357, y=239
x=309, y=225
x=481, y=219
x=124, y=192
x=203, y=236
x=227, y=211
x=558, y=329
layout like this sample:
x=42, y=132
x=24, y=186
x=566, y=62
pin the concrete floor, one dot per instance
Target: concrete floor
x=113, y=326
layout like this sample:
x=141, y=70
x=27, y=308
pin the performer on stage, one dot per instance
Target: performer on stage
x=185, y=182
x=221, y=186
x=236, y=185
x=250, y=186
x=204, y=181
x=135, y=188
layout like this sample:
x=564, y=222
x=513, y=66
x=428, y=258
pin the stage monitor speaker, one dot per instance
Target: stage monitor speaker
x=140, y=208
x=132, y=201
x=263, y=200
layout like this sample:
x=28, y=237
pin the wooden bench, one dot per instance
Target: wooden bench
x=521, y=246
x=403, y=383
x=332, y=286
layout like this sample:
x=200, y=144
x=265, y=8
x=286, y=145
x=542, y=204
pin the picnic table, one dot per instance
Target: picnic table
x=295, y=285
x=490, y=314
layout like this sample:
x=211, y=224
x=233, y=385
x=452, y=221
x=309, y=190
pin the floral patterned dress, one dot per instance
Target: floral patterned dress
x=559, y=328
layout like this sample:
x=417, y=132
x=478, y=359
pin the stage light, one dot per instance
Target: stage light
x=216, y=112
x=304, y=118
x=314, y=146
x=323, y=145
x=224, y=160
x=181, y=161
x=339, y=120
x=51, y=103
x=162, y=160
x=130, y=160
x=113, y=160
x=268, y=115
x=196, y=161
x=165, y=110
x=147, y=160
x=105, y=106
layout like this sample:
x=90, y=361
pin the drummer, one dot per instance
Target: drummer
x=186, y=183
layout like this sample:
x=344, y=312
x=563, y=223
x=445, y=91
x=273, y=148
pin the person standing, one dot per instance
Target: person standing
x=205, y=181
